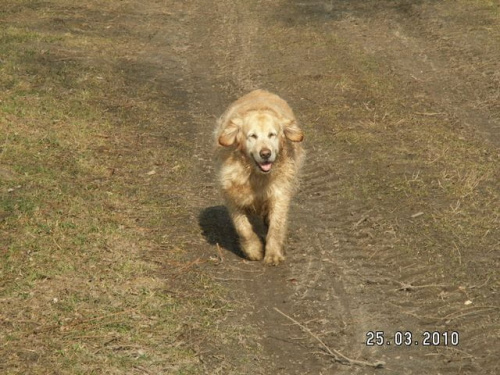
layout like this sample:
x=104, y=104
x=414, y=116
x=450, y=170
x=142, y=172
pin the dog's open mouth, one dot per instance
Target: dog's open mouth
x=265, y=166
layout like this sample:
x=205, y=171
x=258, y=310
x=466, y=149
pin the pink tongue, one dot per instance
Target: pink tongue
x=266, y=167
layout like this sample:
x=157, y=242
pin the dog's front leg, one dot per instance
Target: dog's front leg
x=249, y=240
x=278, y=213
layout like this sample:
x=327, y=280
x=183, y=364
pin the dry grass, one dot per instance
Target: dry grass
x=94, y=278
x=79, y=292
x=400, y=152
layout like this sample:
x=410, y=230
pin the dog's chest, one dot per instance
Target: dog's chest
x=248, y=195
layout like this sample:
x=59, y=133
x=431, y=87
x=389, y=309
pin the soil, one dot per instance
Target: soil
x=346, y=274
x=386, y=91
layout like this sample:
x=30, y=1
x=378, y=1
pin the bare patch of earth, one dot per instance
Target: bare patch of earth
x=396, y=98
x=396, y=226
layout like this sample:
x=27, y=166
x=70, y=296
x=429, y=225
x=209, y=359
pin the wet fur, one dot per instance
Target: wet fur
x=246, y=190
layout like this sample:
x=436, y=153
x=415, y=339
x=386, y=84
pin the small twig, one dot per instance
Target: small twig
x=221, y=256
x=417, y=214
x=448, y=318
x=58, y=246
x=463, y=352
x=479, y=309
x=360, y=221
x=363, y=218
x=423, y=317
x=409, y=287
x=187, y=266
x=481, y=285
x=140, y=368
x=405, y=286
x=335, y=354
x=67, y=327
x=430, y=113
x=231, y=279
x=244, y=270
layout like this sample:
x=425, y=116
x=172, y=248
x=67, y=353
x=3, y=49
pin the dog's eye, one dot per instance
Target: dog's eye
x=254, y=136
x=271, y=135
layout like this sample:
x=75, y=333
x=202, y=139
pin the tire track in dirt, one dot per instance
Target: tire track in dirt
x=329, y=283
x=332, y=282
x=235, y=39
x=311, y=285
x=436, y=56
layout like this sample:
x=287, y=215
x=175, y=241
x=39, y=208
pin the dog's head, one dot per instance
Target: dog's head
x=260, y=136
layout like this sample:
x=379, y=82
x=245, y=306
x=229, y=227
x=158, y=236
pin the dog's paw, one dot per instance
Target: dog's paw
x=253, y=251
x=273, y=259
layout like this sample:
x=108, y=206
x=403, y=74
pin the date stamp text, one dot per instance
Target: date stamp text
x=407, y=338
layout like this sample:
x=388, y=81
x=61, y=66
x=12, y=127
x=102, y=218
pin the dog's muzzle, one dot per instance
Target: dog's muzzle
x=266, y=161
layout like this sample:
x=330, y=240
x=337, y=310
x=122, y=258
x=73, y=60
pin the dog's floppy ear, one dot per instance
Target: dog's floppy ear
x=292, y=131
x=228, y=136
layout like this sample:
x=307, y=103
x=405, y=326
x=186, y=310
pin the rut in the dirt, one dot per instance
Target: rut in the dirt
x=345, y=274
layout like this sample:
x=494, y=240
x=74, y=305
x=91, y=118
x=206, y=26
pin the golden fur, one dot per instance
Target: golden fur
x=259, y=154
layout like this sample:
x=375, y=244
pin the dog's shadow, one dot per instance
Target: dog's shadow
x=217, y=228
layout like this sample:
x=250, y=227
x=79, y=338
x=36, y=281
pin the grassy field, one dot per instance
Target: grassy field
x=99, y=203
x=78, y=294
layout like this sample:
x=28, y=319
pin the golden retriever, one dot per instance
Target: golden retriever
x=259, y=153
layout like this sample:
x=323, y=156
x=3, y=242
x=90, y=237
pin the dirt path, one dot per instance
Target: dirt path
x=346, y=274
x=119, y=255
x=395, y=228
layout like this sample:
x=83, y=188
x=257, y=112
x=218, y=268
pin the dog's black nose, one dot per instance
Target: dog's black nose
x=265, y=153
